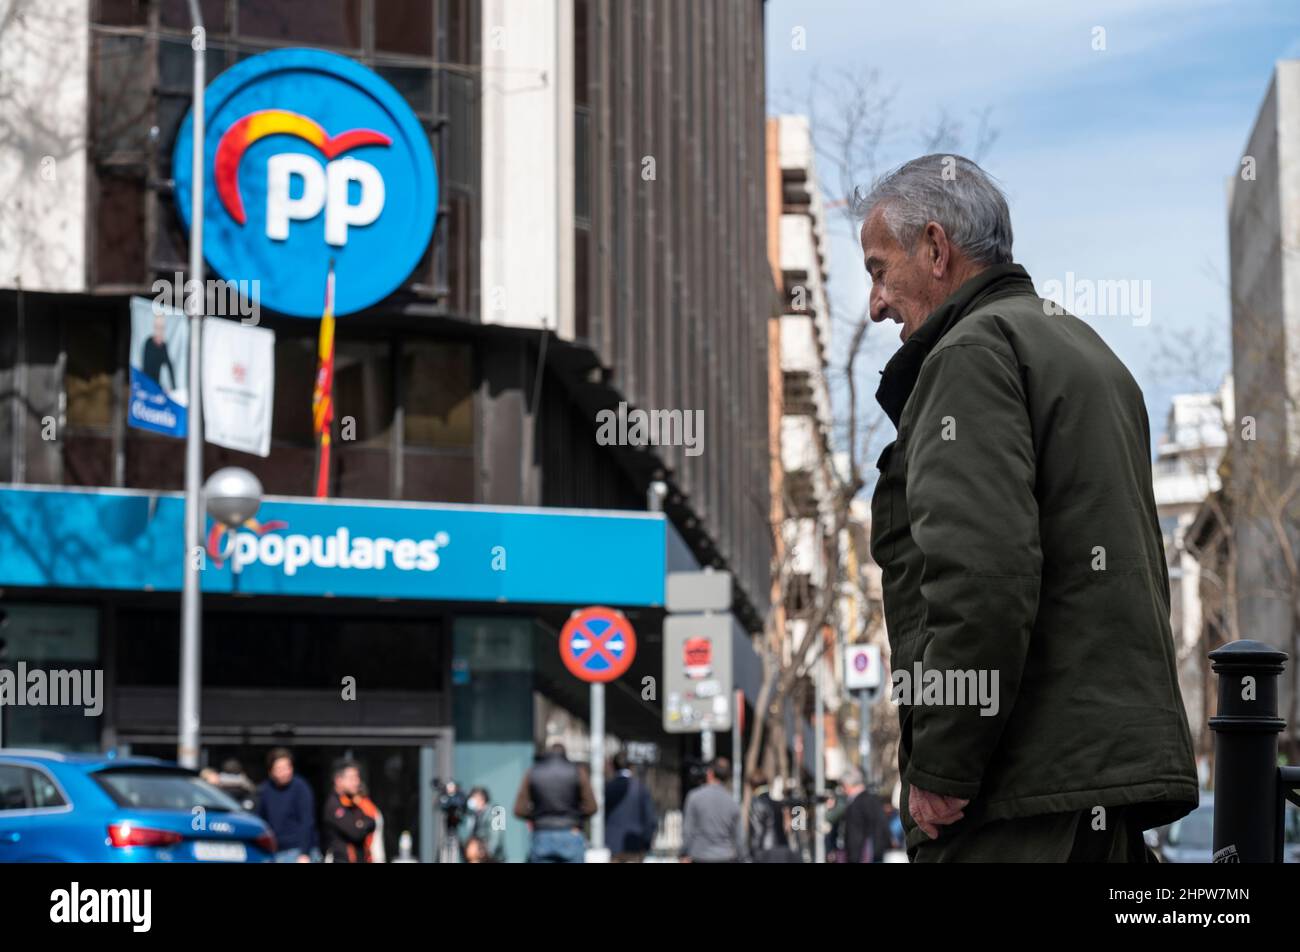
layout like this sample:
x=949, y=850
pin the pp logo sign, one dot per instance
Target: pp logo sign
x=309, y=157
x=327, y=187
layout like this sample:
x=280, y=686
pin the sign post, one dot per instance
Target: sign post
x=597, y=645
x=862, y=678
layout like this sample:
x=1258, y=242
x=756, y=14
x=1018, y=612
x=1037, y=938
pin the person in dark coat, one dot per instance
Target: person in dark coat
x=768, y=828
x=154, y=358
x=286, y=803
x=345, y=824
x=866, y=828
x=555, y=797
x=1025, y=584
x=630, y=819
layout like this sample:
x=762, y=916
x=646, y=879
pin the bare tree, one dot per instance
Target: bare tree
x=1252, y=523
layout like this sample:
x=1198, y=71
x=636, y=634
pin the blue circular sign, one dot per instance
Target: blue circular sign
x=310, y=156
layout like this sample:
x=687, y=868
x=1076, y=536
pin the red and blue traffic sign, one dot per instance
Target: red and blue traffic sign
x=597, y=644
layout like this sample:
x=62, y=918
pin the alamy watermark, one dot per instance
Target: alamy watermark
x=74, y=905
x=34, y=687
x=216, y=298
x=1086, y=298
x=947, y=688
x=626, y=427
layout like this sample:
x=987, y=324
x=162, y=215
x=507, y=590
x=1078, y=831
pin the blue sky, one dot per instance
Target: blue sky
x=1115, y=162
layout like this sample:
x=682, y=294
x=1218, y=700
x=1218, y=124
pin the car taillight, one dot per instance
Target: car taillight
x=266, y=842
x=129, y=834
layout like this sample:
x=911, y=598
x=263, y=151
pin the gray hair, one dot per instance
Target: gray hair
x=852, y=778
x=948, y=189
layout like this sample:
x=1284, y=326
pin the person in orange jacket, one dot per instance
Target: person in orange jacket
x=345, y=826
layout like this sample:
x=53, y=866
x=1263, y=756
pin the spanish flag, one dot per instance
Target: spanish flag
x=322, y=398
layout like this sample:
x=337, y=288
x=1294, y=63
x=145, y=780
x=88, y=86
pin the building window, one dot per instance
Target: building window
x=438, y=421
x=91, y=361
x=404, y=26
x=303, y=22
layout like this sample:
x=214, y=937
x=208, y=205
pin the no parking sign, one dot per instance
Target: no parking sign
x=862, y=668
x=597, y=644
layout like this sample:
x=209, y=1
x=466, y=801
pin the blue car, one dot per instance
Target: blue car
x=97, y=808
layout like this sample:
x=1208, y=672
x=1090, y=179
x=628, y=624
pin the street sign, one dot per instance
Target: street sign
x=641, y=752
x=698, y=592
x=862, y=668
x=697, y=673
x=597, y=644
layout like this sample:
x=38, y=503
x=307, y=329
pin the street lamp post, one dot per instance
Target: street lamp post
x=187, y=752
x=233, y=496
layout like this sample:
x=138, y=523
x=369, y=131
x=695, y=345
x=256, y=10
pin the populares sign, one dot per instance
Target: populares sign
x=134, y=540
x=310, y=156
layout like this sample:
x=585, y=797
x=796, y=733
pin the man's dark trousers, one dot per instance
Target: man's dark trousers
x=1049, y=838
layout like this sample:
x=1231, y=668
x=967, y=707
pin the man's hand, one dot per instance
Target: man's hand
x=933, y=810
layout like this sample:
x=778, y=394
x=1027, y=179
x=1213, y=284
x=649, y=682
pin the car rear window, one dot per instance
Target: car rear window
x=153, y=788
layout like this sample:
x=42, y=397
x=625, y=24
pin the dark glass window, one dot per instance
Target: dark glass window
x=119, y=239
x=404, y=26
x=295, y=379
x=581, y=56
x=90, y=347
x=438, y=394
x=176, y=65
x=175, y=15
x=364, y=411
x=249, y=650
x=154, y=461
x=438, y=477
x=415, y=85
x=363, y=391
x=123, y=98
x=88, y=378
x=461, y=38
x=304, y=22
x=45, y=795
x=122, y=12
x=13, y=788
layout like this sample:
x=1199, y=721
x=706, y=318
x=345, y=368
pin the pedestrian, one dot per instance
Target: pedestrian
x=768, y=829
x=234, y=781
x=1016, y=528
x=374, y=845
x=345, y=825
x=866, y=827
x=476, y=851
x=286, y=803
x=479, y=821
x=630, y=818
x=555, y=797
x=711, y=819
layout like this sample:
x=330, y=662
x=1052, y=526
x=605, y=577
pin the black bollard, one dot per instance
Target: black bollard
x=1247, y=827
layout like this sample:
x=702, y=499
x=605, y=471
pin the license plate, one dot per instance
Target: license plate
x=220, y=852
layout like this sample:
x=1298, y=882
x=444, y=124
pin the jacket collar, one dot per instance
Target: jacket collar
x=899, y=376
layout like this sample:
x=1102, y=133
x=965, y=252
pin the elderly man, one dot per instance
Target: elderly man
x=1015, y=525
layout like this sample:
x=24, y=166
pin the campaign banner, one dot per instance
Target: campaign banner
x=159, y=364
x=238, y=385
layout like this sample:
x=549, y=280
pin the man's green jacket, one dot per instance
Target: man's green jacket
x=1016, y=527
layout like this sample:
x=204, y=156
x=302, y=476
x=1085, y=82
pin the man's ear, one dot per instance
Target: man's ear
x=938, y=250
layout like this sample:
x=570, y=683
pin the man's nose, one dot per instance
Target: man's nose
x=877, y=306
